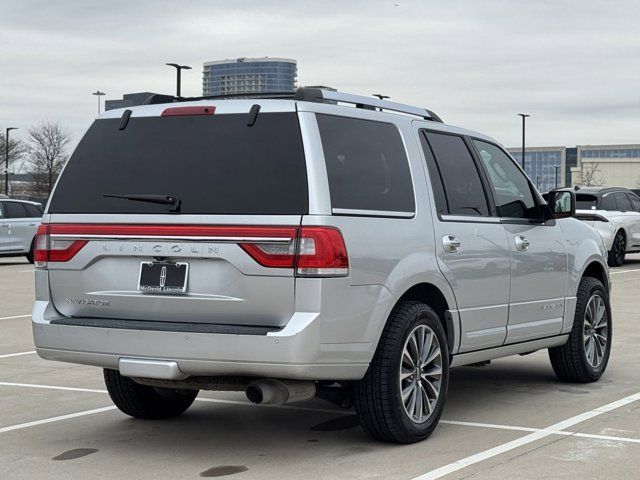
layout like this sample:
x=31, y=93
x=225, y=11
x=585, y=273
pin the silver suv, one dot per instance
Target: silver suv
x=299, y=247
x=19, y=220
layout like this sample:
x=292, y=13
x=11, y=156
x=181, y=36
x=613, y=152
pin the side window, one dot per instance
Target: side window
x=15, y=210
x=635, y=202
x=462, y=186
x=434, y=176
x=608, y=202
x=33, y=210
x=367, y=165
x=623, y=201
x=511, y=188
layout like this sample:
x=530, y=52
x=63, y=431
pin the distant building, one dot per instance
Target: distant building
x=546, y=166
x=249, y=75
x=128, y=100
x=608, y=165
x=595, y=165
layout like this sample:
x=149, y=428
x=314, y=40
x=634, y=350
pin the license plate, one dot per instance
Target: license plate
x=163, y=277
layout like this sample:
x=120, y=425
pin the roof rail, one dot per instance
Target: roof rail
x=311, y=94
x=321, y=95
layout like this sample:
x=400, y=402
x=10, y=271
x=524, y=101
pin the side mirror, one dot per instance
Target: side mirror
x=562, y=203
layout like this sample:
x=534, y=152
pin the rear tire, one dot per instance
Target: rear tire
x=585, y=356
x=29, y=254
x=142, y=401
x=618, y=250
x=400, y=374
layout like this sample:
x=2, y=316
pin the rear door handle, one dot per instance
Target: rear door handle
x=4, y=224
x=522, y=243
x=450, y=244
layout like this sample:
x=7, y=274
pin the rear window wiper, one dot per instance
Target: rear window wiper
x=160, y=199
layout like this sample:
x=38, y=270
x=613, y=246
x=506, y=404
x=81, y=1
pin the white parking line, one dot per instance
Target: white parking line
x=624, y=271
x=7, y=355
x=55, y=419
x=15, y=316
x=51, y=387
x=547, y=431
x=532, y=437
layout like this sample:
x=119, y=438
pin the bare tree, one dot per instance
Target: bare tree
x=17, y=150
x=47, y=154
x=591, y=175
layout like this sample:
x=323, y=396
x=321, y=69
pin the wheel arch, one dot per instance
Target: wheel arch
x=596, y=270
x=433, y=296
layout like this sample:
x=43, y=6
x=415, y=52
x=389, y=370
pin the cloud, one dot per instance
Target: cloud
x=572, y=65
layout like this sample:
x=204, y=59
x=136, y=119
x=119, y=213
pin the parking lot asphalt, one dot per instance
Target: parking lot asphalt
x=511, y=419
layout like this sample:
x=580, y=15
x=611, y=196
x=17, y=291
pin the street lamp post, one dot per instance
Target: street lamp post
x=98, y=94
x=6, y=159
x=523, y=115
x=556, y=167
x=179, y=69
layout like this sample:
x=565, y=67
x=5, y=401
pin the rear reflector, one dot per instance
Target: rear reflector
x=183, y=111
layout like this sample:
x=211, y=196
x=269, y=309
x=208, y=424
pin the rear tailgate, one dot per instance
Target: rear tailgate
x=242, y=192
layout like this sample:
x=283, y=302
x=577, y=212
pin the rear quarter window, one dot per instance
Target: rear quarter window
x=366, y=164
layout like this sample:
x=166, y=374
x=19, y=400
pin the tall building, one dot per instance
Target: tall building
x=249, y=75
x=128, y=100
x=546, y=166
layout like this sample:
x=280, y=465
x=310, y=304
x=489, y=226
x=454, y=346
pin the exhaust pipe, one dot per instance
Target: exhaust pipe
x=269, y=391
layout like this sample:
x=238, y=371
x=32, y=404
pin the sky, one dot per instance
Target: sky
x=574, y=66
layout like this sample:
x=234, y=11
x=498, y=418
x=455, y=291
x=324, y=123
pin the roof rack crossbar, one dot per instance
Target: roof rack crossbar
x=321, y=95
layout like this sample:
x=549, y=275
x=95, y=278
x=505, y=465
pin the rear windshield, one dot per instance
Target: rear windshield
x=215, y=164
x=586, y=202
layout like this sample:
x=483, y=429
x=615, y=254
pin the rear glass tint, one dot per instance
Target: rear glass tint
x=586, y=202
x=215, y=164
x=366, y=164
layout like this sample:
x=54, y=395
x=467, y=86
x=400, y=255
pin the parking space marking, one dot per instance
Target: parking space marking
x=532, y=437
x=546, y=431
x=15, y=316
x=55, y=419
x=51, y=387
x=624, y=271
x=7, y=355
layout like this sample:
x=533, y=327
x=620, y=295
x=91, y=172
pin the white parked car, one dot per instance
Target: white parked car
x=615, y=213
x=19, y=221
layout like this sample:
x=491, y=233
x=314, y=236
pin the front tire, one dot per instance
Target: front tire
x=618, y=250
x=402, y=395
x=142, y=401
x=585, y=356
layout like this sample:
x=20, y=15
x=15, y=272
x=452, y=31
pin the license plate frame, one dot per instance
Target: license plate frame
x=153, y=277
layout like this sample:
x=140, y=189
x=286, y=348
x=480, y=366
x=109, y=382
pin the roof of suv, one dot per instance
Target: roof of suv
x=9, y=199
x=600, y=191
x=292, y=102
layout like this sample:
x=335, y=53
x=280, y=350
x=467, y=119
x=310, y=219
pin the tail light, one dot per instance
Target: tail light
x=312, y=251
x=50, y=249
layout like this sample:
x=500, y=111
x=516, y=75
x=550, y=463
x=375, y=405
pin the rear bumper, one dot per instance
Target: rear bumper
x=295, y=352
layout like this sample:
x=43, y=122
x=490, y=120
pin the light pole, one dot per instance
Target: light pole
x=556, y=167
x=523, y=115
x=179, y=69
x=98, y=94
x=6, y=159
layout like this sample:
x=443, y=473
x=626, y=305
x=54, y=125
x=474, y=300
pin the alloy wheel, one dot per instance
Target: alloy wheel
x=420, y=373
x=596, y=330
x=619, y=249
